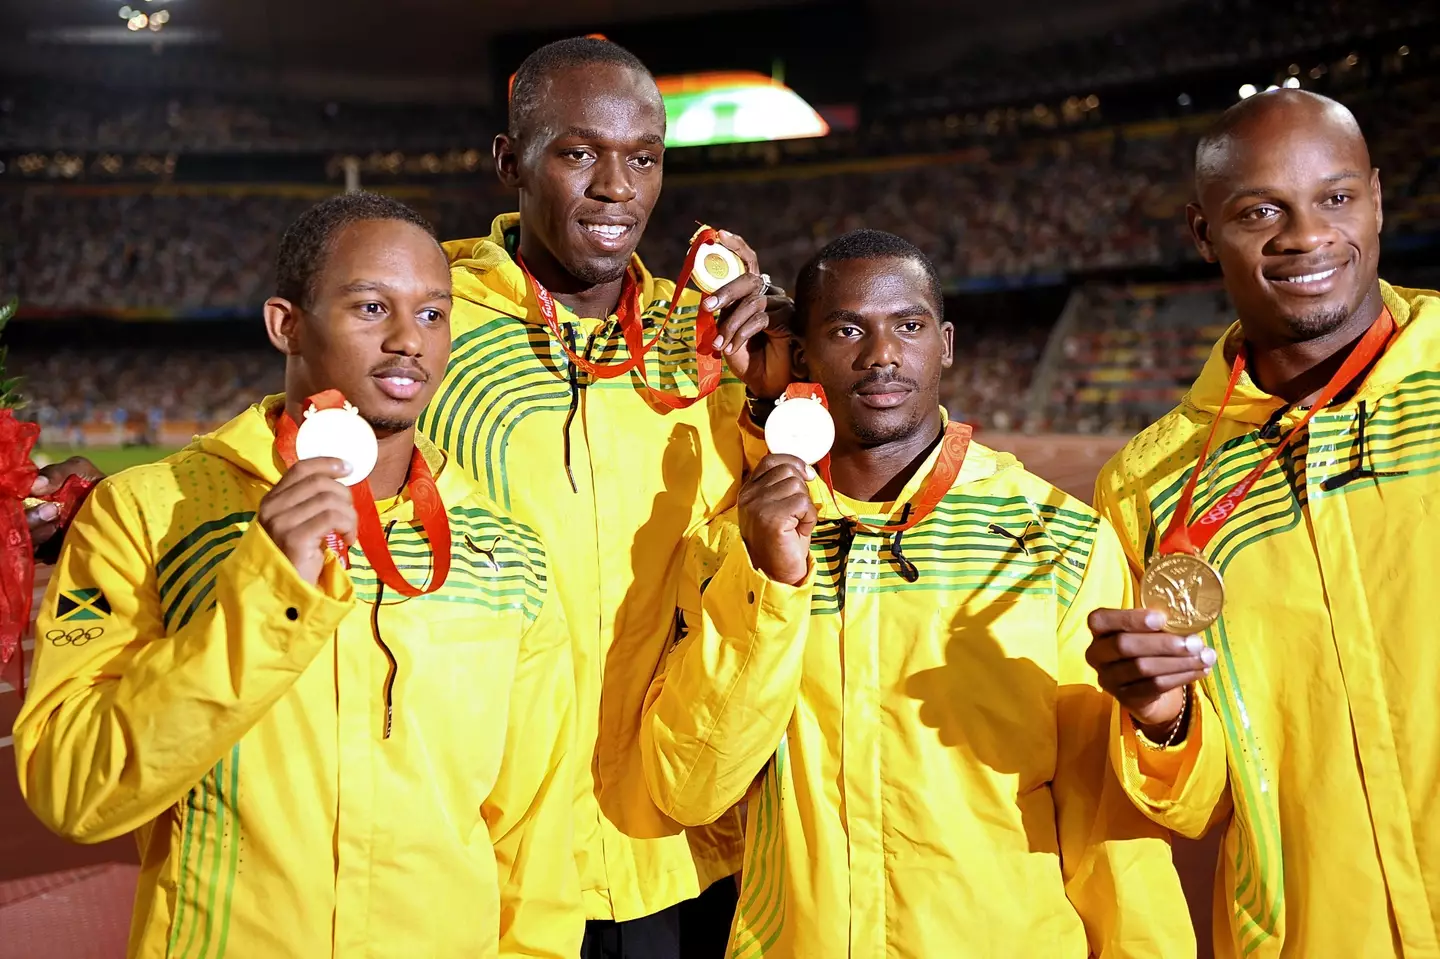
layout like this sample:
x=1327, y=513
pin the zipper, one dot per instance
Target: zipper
x=389, y=690
x=574, y=404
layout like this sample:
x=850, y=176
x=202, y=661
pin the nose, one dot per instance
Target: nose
x=610, y=180
x=402, y=336
x=881, y=349
x=1303, y=230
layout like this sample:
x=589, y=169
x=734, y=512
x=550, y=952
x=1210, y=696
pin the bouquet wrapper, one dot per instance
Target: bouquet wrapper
x=17, y=559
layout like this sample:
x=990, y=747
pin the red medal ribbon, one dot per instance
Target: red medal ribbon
x=709, y=363
x=1194, y=537
x=17, y=552
x=429, y=510
x=954, y=444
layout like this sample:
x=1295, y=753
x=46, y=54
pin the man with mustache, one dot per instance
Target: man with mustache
x=316, y=760
x=1300, y=468
x=542, y=405
x=893, y=670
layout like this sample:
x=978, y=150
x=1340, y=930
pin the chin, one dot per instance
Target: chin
x=596, y=272
x=1318, y=321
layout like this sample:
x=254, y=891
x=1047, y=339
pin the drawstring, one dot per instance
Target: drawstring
x=394, y=666
x=574, y=405
x=908, y=571
x=1359, y=470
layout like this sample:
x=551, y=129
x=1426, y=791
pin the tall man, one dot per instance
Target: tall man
x=903, y=668
x=611, y=478
x=1322, y=670
x=316, y=765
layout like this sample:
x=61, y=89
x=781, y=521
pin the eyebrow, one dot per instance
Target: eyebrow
x=588, y=133
x=373, y=286
x=850, y=316
x=1262, y=191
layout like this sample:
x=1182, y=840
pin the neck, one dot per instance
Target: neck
x=589, y=301
x=392, y=463
x=1298, y=372
x=878, y=474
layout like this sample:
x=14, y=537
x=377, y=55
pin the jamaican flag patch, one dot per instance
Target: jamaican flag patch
x=78, y=604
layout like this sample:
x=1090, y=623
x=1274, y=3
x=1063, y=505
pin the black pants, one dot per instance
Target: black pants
x=698, y=928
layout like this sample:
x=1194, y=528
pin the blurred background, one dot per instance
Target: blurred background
x=151, y=153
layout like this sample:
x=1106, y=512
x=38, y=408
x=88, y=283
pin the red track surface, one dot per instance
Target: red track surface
x=62, y=901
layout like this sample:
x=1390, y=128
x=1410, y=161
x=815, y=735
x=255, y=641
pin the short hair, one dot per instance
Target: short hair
x=861, y=245
x=528, y=86
x=308, y=241
x=1209, y=151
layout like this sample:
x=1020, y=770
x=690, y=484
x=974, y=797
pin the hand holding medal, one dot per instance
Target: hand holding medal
x=800, y=426
x=334, y=430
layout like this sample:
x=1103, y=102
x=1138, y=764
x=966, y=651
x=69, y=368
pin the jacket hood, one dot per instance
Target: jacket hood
x=484, y=273
x=248, y=443
x=1417, y=317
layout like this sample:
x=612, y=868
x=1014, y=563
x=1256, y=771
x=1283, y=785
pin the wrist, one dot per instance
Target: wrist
x=1166, y=734
x=758, y=407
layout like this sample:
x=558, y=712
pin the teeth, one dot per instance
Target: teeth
x=1309, y=278
x=610, y=231
x=400, y=380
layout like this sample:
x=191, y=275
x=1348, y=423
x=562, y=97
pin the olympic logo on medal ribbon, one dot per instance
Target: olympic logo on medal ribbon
x=73, y=637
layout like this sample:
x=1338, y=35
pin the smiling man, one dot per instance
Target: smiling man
x=314, y=764
x=540, y=406
x=896, y=676
x=1319, y=678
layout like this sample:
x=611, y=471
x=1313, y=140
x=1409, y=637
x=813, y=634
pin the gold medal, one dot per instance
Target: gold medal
x=1187, y=588
x=715, y=266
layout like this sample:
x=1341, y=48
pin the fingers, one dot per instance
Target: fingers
x=1153, y=687
x=319, y=525
x=52, y=477
x=1103, y=621
x=43, y=522
x=737, y=245
x=782, y=462
x=1111, y=647
x=743, y=286
x=1129, y=672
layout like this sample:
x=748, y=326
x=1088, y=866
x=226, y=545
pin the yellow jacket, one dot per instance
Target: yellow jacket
x=189, y=685
x=613, y=485
x=1324, y=698
x=931, y=756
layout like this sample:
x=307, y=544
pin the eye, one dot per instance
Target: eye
x=645, y=161
x=372, y=309
x=1259, y=213
x=432, y=316
x=1338, y=199
x=577, y=154
x=911, y=326
x=849, y=332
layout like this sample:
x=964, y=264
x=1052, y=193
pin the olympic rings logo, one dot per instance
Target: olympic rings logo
x=73, y=637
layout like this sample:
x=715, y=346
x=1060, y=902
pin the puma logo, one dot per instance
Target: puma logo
x=1017, y=540
x=489, y=554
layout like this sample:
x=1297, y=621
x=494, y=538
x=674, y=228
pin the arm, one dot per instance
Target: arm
x=529, y=812
x=715, y=714
x=1117, y=865
x=1183, y=786
x=117, y=729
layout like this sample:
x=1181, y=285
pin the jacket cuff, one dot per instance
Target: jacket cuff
x=1156, y=778
x=768, y=601
x=284, y=609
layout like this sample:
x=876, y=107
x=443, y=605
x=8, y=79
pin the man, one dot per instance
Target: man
x=1319, y=679
x=903, y=668
x=316, y=764
x=612, y=478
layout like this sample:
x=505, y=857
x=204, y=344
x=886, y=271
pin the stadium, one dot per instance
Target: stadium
x=152, y=154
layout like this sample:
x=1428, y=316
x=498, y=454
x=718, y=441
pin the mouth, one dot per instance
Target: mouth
x=1313, y=282
x=883, y=397
x=608, y=233
x=400, y=385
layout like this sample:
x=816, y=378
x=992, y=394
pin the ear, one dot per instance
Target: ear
x=1200, y=231
x=798, y=368
x=507, y=160
x=947, y=343
x=282, y=325
x=1379, y=206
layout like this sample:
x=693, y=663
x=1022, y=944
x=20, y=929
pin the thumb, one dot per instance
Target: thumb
x=41, y=485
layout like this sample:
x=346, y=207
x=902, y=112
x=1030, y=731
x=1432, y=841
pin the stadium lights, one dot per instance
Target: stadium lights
x=1294, y=70
x=1292, y=83
x=1183, y=99
x=1247, y=91
x=1404, y=51
x=1272, y=88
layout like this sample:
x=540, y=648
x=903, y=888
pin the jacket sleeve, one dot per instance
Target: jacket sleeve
x=716, y=712
x=126, y=713
x=1184, y=787
x=531, y=809
x=1117, y=866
